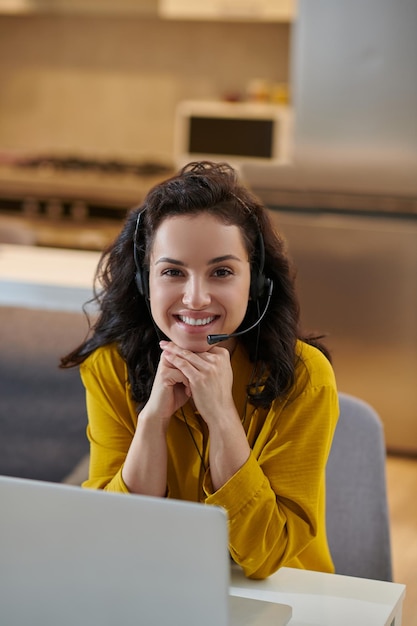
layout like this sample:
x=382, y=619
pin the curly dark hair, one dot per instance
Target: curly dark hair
x=124, y=316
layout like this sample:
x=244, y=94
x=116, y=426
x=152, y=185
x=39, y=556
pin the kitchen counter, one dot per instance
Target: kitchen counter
x=104, y=188
x=85, y=209
x=313, y=188
x=284, y=185
x=70, y=208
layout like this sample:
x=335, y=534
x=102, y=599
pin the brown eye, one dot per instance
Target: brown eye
x=172, y=272
x=222, y=271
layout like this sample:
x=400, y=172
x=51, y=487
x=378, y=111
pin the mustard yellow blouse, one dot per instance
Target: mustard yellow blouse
x=276, y=501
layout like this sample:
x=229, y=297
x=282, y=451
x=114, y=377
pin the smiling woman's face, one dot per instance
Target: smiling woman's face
x=199, y=278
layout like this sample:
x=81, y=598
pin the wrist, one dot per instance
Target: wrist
x=153, y=422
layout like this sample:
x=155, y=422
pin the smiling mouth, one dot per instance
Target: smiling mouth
x=191, y=321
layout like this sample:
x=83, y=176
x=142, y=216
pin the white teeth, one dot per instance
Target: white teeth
x=195, y=322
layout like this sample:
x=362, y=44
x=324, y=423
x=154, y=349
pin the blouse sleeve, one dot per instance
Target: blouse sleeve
x=111, y=419
x=276, y=501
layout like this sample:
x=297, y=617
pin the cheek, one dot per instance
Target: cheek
x=238, y=302
x=161, y=298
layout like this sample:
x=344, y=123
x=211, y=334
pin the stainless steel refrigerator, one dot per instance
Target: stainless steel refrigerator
x=348, y=202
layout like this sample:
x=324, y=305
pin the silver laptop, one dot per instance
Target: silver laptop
x=74, y=557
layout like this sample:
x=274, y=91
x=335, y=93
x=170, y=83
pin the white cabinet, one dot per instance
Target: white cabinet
x=232, y=10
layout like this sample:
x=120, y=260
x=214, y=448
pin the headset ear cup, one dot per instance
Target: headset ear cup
x=142, y=274
x=253, y=291
x=142, y=283
x=258, y=283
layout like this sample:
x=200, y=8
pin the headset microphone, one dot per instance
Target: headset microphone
x=212, y=339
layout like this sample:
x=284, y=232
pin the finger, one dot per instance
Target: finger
x=172, y=350
x=171, y=371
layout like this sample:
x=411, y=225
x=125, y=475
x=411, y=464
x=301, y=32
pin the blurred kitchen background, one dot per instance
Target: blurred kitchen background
x=89, y=93
x=88, y=88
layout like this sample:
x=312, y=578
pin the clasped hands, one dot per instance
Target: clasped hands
x=206, y=377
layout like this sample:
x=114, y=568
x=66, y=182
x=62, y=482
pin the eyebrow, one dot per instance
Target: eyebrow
x=218, y=259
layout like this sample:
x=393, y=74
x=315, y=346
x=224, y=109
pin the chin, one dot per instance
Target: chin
x=194, y=345
x=197, y=346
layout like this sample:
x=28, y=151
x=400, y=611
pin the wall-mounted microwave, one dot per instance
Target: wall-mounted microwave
x=235, y=132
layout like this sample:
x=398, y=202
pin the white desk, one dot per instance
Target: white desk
x=326, y=599
x=47, y=278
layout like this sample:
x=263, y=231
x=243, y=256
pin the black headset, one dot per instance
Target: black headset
x=142, y=274
x=259, y=283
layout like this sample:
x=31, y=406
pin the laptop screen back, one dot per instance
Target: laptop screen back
x=80, y=557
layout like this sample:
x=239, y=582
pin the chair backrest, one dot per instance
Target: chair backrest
x=357, y=509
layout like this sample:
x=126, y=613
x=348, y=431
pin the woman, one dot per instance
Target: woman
x=199, y=386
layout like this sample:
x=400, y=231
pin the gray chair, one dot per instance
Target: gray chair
x=357, y=509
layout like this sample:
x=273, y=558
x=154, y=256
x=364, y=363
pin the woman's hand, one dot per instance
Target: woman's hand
x=206, y=376
x=170, y=390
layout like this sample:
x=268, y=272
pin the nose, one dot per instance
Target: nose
x=196, y=294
